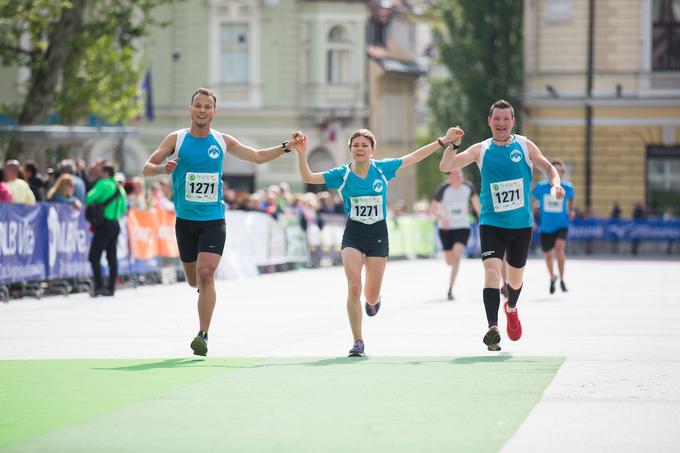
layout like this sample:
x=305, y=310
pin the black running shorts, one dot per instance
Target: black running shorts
x=496, y=241
x=449, y=238
x=371, y=240
x=194, y=237
x=548, y=239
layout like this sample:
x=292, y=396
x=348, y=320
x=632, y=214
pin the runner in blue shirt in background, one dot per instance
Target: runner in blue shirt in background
x=506, y=163
x=554, y=223
x=363, y=186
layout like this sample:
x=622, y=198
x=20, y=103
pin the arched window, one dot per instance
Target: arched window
x=338, y=56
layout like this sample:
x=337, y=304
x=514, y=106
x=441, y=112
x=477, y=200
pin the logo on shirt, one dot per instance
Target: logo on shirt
x=214, y=152
x=515, y=156
x=378, y=185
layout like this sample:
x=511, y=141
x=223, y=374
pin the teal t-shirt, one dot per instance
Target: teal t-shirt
x=365, y=199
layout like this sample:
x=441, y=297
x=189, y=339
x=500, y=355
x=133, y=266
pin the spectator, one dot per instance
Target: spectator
x=69, y=166
x=35, y=181
x=105, y=237
x=62, y=191
x=21, y=191
x=639, y=215
x=166, y=187
x=93, y=174
x=81, y=172
x=50, y=178
x=639, y=212
x=157, y=199
x=135, y=198
x=5, y=193
x=616, y=212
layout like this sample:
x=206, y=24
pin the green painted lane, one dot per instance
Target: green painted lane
x=275, y=405
x=37, y=396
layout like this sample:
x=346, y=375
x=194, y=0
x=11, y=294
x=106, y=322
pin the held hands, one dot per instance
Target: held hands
x=557, y=192
x=298, y=142
x=454, y=135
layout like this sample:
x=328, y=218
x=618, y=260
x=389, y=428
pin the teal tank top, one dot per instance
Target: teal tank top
x=197, y=179
x=506, y=182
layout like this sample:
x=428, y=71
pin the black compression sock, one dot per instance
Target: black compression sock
x=492, y=300
x=513, y=295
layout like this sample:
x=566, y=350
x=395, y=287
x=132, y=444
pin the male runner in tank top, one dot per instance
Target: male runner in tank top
x=505, y=162
x=450, y=205
x=195, y=162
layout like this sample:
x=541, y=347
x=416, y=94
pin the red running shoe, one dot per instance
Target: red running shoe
x=514, y=326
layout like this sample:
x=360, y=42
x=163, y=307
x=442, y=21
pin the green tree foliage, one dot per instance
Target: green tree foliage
x=480, y=43
x=82, y=56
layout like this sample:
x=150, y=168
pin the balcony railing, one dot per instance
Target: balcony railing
x=242, y=95
x=340, y=96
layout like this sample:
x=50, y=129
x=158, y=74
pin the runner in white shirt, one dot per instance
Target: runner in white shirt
x=451, y=204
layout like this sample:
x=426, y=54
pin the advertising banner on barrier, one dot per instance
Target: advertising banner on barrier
x=23, y=243
x=142, y=233
x=69, y=242
x=625, y=230
x=330, y=238
x=166, y=242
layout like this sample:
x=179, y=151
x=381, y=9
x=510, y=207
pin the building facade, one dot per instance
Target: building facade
x=275, y=66
x=602, y=92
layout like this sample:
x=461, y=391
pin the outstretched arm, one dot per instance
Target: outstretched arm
x=453, y=135
x=258, y=156
x=308, y=176
x=452, y=161
x=153, y=165
x=544, y=164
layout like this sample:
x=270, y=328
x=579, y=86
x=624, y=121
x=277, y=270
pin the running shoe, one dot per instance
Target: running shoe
x=200, y=346
x=357, y=350
x=514, y=326
x=563, y=287
x=449, y=295
x=372, y=310
x=552, y=284
x=492, y=338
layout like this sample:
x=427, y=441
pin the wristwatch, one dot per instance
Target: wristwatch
x=284, y=145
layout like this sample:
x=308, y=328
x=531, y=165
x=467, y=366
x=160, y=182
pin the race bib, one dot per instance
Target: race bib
x=458, y=210
x=552, y=204
x=201, y=187
x=366, y=210
x=507, y=195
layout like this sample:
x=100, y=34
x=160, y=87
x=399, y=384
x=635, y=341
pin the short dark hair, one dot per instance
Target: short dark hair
x=501, y=104
x=108, y=169
x=557, y=162
x=206, y=92
x=31, y=168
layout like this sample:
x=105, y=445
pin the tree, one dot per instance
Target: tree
x=480, y=43
x=82, y=56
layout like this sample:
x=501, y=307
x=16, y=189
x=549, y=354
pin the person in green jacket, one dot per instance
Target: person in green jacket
x=105, y=236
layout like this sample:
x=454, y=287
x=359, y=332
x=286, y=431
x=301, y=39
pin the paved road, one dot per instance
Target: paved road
x=618, y=389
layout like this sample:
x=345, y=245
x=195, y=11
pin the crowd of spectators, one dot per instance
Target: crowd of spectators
x=69, y=180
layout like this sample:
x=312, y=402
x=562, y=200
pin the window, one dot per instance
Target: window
x=666, y=35
x=234, y=53
x=338, y=56
x=663, y=178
